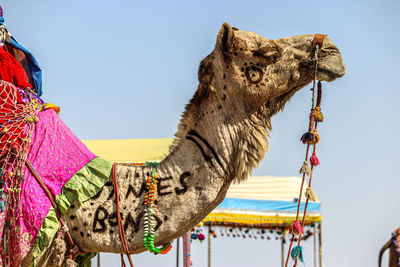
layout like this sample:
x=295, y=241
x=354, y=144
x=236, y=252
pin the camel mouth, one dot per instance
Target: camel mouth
x=330, y=74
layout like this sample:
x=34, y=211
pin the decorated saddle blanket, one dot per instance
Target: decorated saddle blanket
x=57, y=155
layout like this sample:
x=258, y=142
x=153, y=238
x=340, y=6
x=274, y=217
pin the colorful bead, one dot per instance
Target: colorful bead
x=149, y=221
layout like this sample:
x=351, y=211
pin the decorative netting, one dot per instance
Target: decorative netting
x=18, y=114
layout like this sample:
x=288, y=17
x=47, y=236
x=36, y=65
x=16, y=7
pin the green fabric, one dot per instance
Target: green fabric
x=85, y=184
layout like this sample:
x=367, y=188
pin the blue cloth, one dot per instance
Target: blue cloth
x=267, y=205
x=34, y=72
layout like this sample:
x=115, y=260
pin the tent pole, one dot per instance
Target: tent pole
x=320, y=244
x=186, y=250
x=283, y=248
x=177, y=252
x=98, y=260
x=315, y=244
x=209, y=246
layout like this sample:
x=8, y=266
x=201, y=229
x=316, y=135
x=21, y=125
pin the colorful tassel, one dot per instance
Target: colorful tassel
x=316, y=137
x=201, y=237
x=310, y=195
x=307, y=138
x=319, y=117
x=305, y=169
x=314, y=160
x=297, y=253
x=296, y=228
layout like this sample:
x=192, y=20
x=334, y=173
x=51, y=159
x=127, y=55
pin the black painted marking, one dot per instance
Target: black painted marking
x=161, y=187
x=111, y=195
x=206, y=157
x=131, y=190
x=159, y=222
x=72, y=206
x=97, y=195
x=108, y=184
x=224, y=97
x=99, y=218
x=74, y=228
x=81, y=233
x=111, y=231
x=194, y=133
x=180, y=191
x=113, y=220
x=165, y=218
x=85, y=224
x=72, y=217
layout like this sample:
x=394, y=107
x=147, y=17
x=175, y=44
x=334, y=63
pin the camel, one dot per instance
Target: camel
x=394, y=252
x=222, y=136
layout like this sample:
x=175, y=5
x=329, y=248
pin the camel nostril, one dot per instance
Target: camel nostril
x=296, y=75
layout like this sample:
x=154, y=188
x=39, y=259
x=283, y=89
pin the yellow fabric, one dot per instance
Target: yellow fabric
x=130, y=150
x=51, y=106
x=258, y=219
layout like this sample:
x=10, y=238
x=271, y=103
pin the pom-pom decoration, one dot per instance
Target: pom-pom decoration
x=307, y=138
x=314, y=160
x=296, y=228
x=319, y=117
x=305, y=169
x=316, y=137
x=297, y=253
x=310, y=194
x=201, y=236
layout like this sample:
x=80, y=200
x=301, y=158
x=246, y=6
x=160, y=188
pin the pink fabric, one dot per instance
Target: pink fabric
x=56, y=154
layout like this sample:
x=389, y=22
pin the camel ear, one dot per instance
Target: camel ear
x=225, y=37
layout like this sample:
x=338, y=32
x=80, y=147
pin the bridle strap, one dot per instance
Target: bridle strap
x=318, y=40
x=119, y=219
x=73, y=247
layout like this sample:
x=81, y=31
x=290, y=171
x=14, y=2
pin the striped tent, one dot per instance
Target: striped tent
x=263, y=201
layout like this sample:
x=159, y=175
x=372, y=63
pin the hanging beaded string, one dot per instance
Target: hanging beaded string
x=310, y=138
x=149, y=220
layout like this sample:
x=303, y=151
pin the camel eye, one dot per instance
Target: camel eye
x=266, y=54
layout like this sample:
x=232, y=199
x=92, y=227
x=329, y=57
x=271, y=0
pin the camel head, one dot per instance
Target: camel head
x=243, y=82
x=263, y=72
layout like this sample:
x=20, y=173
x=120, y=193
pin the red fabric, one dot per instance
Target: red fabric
x=11, y=71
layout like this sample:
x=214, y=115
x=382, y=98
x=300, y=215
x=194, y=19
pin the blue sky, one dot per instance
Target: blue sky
x=125, y=69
